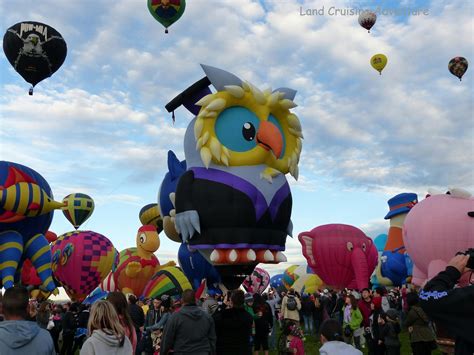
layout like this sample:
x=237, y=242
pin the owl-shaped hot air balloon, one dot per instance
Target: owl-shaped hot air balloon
x=233, y=203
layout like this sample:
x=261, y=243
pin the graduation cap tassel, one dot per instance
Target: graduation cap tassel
x=172, y=116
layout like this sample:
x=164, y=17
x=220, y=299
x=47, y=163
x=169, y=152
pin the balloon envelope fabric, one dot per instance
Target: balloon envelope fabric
x=169, y=281
x=34, y=49
x=257, y=281
x=81, y=260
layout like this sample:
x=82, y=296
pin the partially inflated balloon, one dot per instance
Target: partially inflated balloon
x=78, y=209
x=458, y=66
x=289, y=276
x=150, y=214
x=378, y=62
x=257, y=281
x=367, y=19
x=276, y=282
x=35, y=50
x=169, y=281
x=166, y=12
x=81, y=260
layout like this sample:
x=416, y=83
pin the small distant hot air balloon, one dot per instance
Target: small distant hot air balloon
x=166, y=12
x=150, y=214
x=169, y=281
x=378, y=62
x=78, y=208
x=257, y=281
x=35, y=50
x=458, y=66
x=367, y=19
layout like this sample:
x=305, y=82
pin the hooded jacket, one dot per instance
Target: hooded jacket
x=101, y=343
x=419, y=321
x=18, y=337
x=338, y=348
x=451, y=307
x=189, y=331
x=233, y=330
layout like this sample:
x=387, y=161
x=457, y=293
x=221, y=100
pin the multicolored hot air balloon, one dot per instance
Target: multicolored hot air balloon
x=137, y=265
x=367, y=19
x=289, y=276
x=78, y=208
x=81, y=260
x=307, y=281
x=26, y=212
x=150, y=214
x=35, y=50
x=458, y=66
x=166, y=12
x=257, y=281
x=169, y=281
x=378, y=62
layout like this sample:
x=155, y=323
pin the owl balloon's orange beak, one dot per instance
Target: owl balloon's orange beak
x=269, y=137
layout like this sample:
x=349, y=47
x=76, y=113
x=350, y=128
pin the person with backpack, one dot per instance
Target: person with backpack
x=290, y=307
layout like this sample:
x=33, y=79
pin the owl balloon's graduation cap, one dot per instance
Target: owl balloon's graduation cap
x=219, y=79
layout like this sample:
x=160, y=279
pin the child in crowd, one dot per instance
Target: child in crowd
x=389, y=327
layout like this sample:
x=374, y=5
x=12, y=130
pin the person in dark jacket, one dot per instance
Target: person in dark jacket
x=422, y=336
x=138, y=319
x=69, y=325
x=452, y=307
x=307, y=311
x=389, y=330
x=377, y=346
x=189, y=331
x=81, y=330
x=233, y=326
x=263, y=323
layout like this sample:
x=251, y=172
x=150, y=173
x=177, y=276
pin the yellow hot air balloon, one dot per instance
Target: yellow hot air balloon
x=378, y=62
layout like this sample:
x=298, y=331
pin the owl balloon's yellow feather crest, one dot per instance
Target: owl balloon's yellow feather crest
x=262, y=104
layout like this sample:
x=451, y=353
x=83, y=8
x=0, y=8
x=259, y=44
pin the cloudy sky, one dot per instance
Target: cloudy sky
x=99, y=126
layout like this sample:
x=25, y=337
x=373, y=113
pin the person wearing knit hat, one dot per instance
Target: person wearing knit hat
x=376, y=341
x=389, y=327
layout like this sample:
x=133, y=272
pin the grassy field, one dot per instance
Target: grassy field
x=312, y=345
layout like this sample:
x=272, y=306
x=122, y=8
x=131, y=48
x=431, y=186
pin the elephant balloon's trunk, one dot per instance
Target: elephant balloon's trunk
x=361, y=268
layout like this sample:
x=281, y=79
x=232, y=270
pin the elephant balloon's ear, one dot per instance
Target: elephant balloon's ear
x=220, y=78
x=288, y=93
x=307, y=243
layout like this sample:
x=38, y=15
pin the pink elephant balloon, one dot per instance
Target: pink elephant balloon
x=435, y=230
x=257, y=281
x=342, y=255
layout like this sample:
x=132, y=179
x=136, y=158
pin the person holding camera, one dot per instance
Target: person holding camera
x=450, y=306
